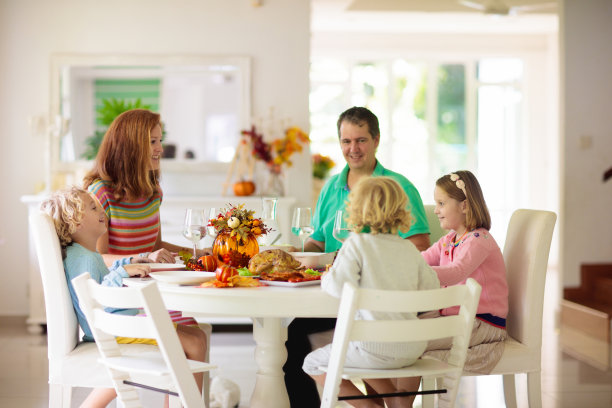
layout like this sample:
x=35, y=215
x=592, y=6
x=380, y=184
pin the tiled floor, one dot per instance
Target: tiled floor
x=575, y=370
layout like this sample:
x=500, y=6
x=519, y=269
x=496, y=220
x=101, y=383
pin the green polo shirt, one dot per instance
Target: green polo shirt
x=335, y=193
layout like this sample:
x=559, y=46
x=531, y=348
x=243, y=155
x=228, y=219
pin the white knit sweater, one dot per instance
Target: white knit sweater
x=381, y=261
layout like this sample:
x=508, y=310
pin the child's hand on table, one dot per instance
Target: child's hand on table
x=140, y=270
x=140, y=260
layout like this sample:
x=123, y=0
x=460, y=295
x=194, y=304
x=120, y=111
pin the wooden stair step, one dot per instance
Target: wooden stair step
x=602, y=290
x=589, y=307
x=587, y=316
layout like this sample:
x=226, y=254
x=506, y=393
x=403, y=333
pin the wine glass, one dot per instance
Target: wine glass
x=268, y=216
x=341, y=229
x=195, y=227
x=212, y=214
x=302, y=224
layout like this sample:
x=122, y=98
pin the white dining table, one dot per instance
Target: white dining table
x=270, y=308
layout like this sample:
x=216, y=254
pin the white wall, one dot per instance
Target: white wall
x=275, y=37
x=586, y=55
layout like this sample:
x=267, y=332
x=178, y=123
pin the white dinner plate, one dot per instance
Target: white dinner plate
x=183, y=277
x=291, y=284
x=165, y=266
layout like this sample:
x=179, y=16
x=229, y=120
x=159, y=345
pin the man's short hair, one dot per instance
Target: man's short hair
x=358, y=115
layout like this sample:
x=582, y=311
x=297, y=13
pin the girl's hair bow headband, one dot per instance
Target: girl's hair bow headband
x=458, y=182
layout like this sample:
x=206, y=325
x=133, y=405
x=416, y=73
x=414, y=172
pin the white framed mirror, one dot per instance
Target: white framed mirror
x=204, y=102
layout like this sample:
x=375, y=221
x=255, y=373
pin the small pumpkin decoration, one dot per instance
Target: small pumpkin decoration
x=208, y=262
x=244, y=188
x=224, y=272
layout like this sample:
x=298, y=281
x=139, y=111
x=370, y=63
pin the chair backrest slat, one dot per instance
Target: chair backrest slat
x=418, y=301
x=124, y=326
x=526, y=257
x=62, y=323
x=128, y=298
x=406, y=330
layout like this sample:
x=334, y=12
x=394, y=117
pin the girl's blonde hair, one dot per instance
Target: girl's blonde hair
x=463, y=185
x=124, y=157
x=380, y=204
x=66, y=207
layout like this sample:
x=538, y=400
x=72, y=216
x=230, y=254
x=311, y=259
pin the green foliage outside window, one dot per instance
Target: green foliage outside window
x=451, y=104
x=106, y=113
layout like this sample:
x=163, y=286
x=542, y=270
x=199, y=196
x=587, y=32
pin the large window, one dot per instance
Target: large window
x=435, y=117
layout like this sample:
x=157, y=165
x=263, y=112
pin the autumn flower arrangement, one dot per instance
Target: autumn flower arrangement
x=240, y=222
x=321, y=165
x=279, y=151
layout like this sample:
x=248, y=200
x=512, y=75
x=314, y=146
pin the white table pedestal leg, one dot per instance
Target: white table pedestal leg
x=270, y=335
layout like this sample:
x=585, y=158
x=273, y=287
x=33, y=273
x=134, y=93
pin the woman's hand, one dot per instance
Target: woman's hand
x=162, y=256
x=140, y=270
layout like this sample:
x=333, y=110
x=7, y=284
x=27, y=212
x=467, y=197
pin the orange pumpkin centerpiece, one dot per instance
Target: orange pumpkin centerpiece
x=237, y=232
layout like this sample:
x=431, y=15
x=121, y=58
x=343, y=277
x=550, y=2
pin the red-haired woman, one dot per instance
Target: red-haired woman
x=125, y=179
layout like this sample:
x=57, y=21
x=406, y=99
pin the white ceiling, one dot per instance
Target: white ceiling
x=426, y=16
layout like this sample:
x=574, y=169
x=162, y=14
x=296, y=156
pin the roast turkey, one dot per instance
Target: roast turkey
x=272, y=260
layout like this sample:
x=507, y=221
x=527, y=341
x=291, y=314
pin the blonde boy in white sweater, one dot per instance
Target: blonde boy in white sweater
x=375, y=257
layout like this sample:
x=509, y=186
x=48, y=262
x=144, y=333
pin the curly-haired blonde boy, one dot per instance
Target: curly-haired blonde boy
x=374, y=256
x=79, y=221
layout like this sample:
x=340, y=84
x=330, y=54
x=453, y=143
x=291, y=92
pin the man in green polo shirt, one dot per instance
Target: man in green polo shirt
x=359, y=136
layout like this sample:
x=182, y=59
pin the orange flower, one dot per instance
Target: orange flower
x=321, y=165
x=278, y=151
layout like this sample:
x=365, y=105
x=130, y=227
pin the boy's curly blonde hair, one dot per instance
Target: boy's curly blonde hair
x=66, y=207
x=380, y=204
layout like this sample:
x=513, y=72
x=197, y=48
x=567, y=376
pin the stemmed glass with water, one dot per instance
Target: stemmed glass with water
x=195, y=227
x=302, y=224
x=341, y=229
x=268, y=216
x=212, y=214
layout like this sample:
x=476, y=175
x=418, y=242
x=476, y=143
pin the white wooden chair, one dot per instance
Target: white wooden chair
x=526, y=256
x=130, y=371
x=348, y=329
x=72, y=363
x=436, y=231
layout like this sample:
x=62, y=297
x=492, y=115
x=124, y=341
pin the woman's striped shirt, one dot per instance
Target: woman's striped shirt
x=133, y=226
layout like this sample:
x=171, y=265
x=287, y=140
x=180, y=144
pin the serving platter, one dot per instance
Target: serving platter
x=165, y=266
x=291, y=284
x=183, y=277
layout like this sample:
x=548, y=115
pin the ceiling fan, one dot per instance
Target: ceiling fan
x=499, y=8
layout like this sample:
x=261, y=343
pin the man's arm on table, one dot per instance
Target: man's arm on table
x=421, y=241
x=314, y=246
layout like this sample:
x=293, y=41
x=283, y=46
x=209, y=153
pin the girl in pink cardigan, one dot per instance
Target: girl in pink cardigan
x=469, y=251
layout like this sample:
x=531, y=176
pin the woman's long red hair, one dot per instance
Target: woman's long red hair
x=124, y=157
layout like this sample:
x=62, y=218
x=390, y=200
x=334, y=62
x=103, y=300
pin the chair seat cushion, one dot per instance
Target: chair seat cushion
x=517, y=358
